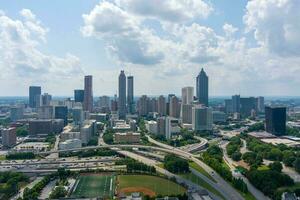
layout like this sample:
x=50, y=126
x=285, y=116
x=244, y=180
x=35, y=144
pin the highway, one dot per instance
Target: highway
x=221, y=185
x=255, y=192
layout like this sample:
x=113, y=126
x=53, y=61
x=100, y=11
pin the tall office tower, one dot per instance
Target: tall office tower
x=153, y=105
x=161, y=125
x=16, y=113
x=88, y=93
x=114, y=104
x=143, y=105
x=236, y=103
x=130, y=94
x=228, y=106
x=79, y=95
x=202, y=118
x=46, y=99
x=186, y=113
x=122, y=95
x=61, y=112
x=275, y=120
x=187, y=94
x=9, y=137
x=202, y=88
x=260, y=104
x=77, y=115
x=247, y=105
x=33, y=92
x=161, y=105
x=174, y=107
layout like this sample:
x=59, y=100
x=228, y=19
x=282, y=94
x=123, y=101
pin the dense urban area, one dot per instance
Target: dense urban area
x=189, y=146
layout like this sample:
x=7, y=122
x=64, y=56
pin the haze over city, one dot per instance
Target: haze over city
x=246, y=48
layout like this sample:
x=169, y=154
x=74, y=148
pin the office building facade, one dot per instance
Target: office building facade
x=33, y=92
x=88, y=93
x=275, y=120
x=78, y=96
x=130, y=95
x=122, y=95
x=202, y=88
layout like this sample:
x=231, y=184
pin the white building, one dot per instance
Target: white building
x=172, y=127
x=151, y=126
x=87, y=130
x=187, y=95
x=70, y=144
x=202, y=118
x=9, y=137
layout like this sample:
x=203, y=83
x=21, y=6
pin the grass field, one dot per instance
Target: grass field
x=201, y=170
x=148, y=185
x=95, y=185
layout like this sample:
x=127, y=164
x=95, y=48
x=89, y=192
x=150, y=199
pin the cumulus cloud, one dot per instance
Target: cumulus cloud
x=183, y=46
x=20, y=57
x=275, y=24
x=127, y=40
x=176, y=11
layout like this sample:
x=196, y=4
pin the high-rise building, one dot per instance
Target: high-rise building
x=202, y=119
x=130, y=94
x=247, y=105
x=122, y=95
x=174, y=107
x=45, y=112
x=187, y=94
x=172, y=127
x=275, y=120
x=236, y=104
x=202, y=88
x=161, y=105
x=114, y=104
x=104, y=102
x=186, y=113
x=77, y=115
x=153, y=105
x=46, y=99
x=16, y=113
x=9, y=137
x=33, y=92
x=260, y=104
x=61, y=112
x=228, y=106
x=143, y=105
x=79, y=95
x=161, y=125
x=88, y=93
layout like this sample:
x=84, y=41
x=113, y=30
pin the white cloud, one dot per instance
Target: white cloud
x=229, y=29
x=22, y=61
x=176, y=11
x=125, y=38
x=276, y=25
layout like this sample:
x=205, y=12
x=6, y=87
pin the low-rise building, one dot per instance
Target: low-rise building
x=129, y=137
x=70, y=144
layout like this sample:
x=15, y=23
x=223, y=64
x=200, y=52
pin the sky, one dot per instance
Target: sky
x=250, y=47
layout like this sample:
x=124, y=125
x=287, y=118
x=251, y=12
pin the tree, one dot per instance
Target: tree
x=297, y=165
x=21, y=132
x=175, y=164
x=236, y=156
x=58, y=192
x=276, y=166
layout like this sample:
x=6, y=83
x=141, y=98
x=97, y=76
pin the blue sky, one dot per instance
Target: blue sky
x=246, y=47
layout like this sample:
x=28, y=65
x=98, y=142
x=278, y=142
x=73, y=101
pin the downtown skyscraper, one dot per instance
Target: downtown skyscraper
x=88, y=93
x=202, y=88
x=34, y=92
x=122, y=95
x=130, y=94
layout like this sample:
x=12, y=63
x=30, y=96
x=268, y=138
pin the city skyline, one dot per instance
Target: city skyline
x=230, y=41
